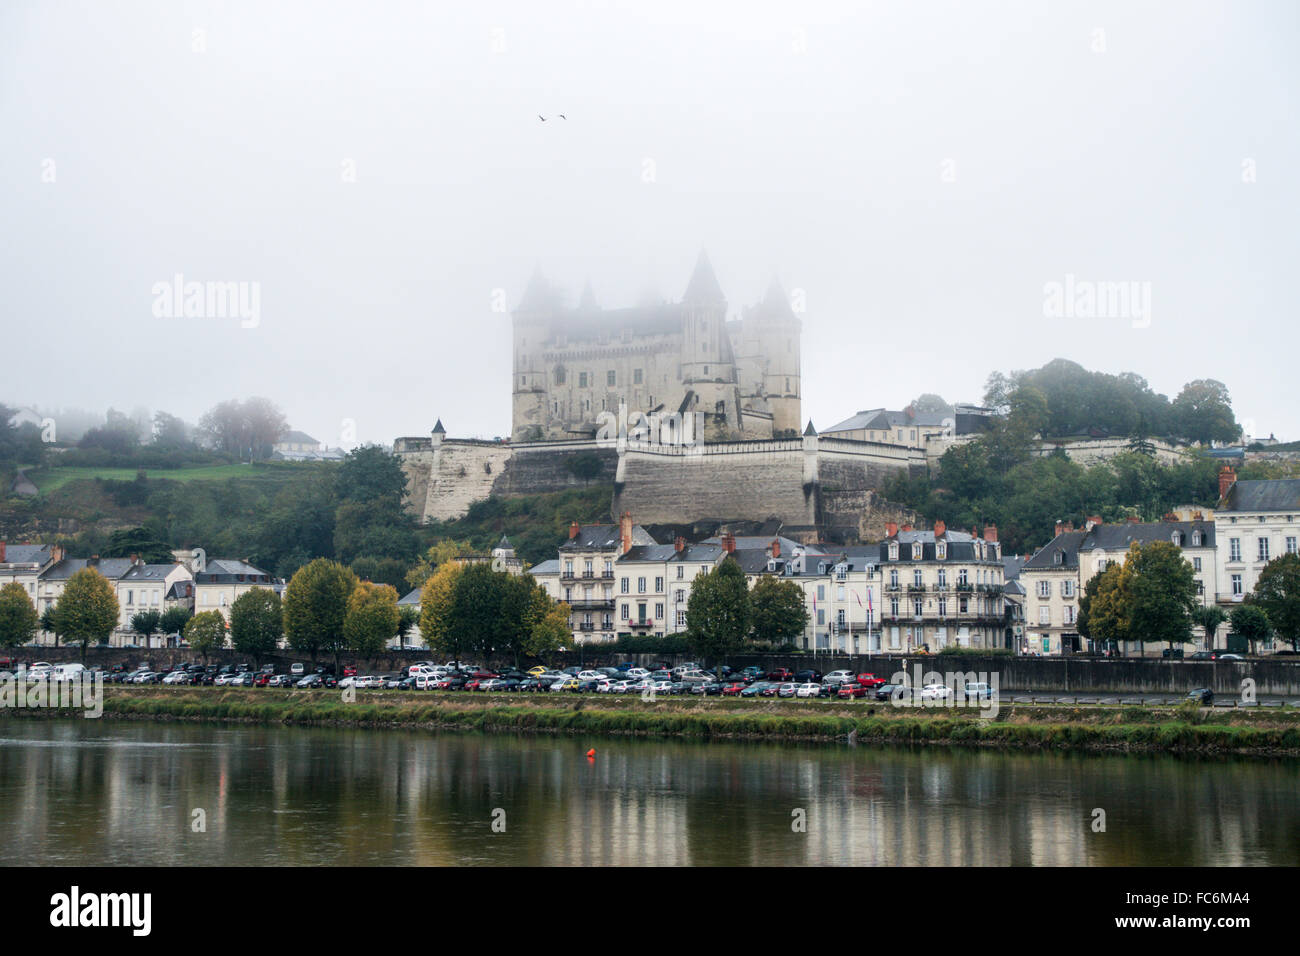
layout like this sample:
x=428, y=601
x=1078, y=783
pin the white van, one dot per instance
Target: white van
x=297, y=670
x=69, y=671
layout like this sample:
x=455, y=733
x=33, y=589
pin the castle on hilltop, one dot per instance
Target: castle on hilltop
x=572, y=364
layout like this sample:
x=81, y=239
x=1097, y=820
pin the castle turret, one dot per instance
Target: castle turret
x=532, y=327
x=706, y=350
x=767, y=358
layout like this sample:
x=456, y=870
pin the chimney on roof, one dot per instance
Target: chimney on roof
x=1170, y=516
x=907, y=527
x=625, y=532
x=56, y=554
x=891, y=528
x=1060, y=526
x=990, y=532
x=729, y=542
x=679, y=544
x=574, y=528
x=1227, y=475
x=776, y=547
x=93, y=560
x=1092, y=522
x=939, y=528
x=2, y=552
x=1197, y=516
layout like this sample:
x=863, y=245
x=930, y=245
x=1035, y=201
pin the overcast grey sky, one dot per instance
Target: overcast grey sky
x=920, y=170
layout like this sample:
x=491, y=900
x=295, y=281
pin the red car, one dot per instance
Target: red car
x=851, y=691
x=781, y=675
x=871, y=681
x=733, y=690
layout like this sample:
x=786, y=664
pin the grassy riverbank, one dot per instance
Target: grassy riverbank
x=1037, y=727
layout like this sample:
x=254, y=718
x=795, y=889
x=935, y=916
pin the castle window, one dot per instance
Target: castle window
x=706, y=370
x=559, y=375
x=582, y=380
x=636, y=376
x=611, y=378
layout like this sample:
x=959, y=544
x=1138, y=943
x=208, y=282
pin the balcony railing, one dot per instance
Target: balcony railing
x=594, y=604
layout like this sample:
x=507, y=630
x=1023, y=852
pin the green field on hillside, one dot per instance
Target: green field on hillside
x=52, y=479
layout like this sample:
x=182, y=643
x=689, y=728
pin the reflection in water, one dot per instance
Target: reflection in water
x=94, y=792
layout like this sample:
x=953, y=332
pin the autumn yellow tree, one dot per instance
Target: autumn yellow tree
x=372, y=618
x=436, y=601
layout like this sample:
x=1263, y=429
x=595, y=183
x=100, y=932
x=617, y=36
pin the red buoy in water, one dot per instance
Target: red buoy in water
x=591, y=752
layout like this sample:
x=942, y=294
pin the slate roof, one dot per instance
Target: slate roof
x=604, y=537
x=703, y=552
x=1011, y=566
x=146, y=572
x=27, y=554
x=411, y=598
x=297, y=438
x=1117, y=537
x=648, y=552
x=546, y=567
x=111, y=568
x=762, y=541
x=1278, y=494
x=227, y=571
x=1067, y=542
x=884, y=419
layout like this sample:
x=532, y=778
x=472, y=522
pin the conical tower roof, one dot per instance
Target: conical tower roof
x=703, y=287
x=538, y=296
x=775, y=300
x=588, y=301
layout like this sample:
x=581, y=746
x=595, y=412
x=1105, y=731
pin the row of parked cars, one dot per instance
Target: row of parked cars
x=682, y=679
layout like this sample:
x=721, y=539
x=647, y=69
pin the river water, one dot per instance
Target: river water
x=114, y=793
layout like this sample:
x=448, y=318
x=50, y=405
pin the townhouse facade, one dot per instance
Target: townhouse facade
x=583, y=575
x=219, y=582
x=1256, y=522
x=1055, y=576
x=941, y=588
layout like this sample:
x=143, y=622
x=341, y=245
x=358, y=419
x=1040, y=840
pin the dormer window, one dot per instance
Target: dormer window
x=1058, y=558
x=941, y=550
x=916, y=551
x=1177, y=539
x=893, y=552
x=1196, y=539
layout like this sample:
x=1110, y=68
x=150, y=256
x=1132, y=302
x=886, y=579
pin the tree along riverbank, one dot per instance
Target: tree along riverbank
x=1182, y=729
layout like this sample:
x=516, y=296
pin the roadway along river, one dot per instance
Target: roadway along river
x=99, y=792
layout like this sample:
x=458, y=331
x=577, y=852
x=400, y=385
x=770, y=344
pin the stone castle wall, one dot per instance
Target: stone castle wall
x=731, y=481
x=803, y=483
x=444, y=478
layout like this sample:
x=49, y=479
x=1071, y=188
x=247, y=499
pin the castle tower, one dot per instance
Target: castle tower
x=776, y=334
x=532, y=326
x=708, y=365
